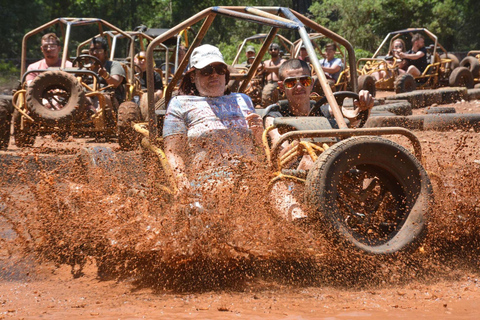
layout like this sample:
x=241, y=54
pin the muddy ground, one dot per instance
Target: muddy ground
x=267, y=269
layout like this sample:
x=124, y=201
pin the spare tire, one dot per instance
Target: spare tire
x=367, y=82
x=55, y=98
x=472, y=64
x=405, y=83
x=461, y=77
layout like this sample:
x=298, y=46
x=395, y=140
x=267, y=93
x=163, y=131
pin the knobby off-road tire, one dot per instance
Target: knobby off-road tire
x=71, y=98
x=371, y=193
x=455, y=61
x=128, y=113
x=5, y=121
x=23, y=138
x=472, y=64
x=405, y=83
x=461, y=77
x=367, y=82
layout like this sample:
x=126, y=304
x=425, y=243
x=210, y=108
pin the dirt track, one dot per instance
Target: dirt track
x=439, y=281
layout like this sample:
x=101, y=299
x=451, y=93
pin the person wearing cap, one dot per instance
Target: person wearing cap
x=141, y=62
x=270, y=90
x=250, y=53
x=209, y=132
x=297, y=83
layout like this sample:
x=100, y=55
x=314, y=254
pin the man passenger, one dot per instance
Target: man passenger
x=417, y=56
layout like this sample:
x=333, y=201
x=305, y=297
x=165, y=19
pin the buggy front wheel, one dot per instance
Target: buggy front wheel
x=371, y=193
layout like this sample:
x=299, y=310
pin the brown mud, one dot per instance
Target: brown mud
x=102, y=250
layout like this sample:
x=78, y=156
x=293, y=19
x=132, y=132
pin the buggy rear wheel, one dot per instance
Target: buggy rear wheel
x=370, y=193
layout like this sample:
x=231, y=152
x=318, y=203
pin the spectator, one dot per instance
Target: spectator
x=270, y=90
x=331, y=66
x=416, y=58
x=50, y=47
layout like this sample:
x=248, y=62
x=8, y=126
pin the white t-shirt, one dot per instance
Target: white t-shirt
x=331, y=64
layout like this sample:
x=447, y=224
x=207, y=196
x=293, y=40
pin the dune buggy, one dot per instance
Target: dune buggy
x=442, y=69
x=363, y=190
x=68, y=100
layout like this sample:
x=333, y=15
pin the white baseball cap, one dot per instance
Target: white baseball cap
x=204, y=55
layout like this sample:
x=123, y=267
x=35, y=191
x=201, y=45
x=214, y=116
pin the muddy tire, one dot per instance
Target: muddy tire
x=23, y=138
x=472, y=64
x=370, y=193
x=5, y=121
x=455, y=61
x=55, y=98
x=461, y=77
x=128, y=113
x=367, y=82
x=405, y=83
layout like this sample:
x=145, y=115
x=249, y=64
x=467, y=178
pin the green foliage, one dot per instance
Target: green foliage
x=364, y=22
x=8, y=73
x=367, y=22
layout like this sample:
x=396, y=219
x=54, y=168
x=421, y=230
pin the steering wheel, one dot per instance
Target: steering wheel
x=340, y=96
x=88, y=62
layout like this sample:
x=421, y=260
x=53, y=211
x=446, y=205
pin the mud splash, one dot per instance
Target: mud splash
x=128, y=232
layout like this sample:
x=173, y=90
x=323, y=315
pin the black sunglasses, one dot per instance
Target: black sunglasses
x=291, y=82
x=220, y=69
